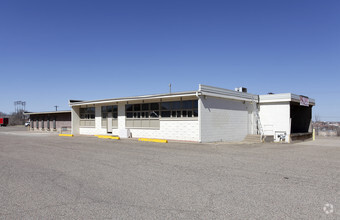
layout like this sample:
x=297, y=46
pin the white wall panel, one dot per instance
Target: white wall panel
x=275, y=117
x=224, y=119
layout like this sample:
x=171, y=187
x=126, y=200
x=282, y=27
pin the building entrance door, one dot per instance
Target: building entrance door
x=109, y=122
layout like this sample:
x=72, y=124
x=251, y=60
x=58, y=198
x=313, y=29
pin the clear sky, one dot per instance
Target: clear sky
x=55, y=50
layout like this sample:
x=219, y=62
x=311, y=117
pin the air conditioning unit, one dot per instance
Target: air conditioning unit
x=241, y=89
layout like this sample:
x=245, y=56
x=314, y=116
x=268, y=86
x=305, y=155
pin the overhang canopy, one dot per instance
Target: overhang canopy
x=284, y=97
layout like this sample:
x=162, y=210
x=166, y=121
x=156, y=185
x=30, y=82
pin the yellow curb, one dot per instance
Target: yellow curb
x=66, y=135
x=108, y=137
x=153, y=140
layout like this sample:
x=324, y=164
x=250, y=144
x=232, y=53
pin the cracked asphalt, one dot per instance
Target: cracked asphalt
x=43, y=176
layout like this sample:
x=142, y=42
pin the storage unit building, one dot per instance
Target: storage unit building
x=50, y=121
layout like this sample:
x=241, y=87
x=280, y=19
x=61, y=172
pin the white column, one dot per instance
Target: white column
x=75, y=119
x=98, y=117
x=122, y=131
x=200, y=106
x=121, y=115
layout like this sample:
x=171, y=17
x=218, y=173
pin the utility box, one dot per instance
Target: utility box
x=124, y=133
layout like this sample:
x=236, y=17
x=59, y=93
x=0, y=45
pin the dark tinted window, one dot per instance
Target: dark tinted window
x=154, y=106
x=136, y=107
x=154, y=114
x=166, y=105
x=176, y=105
x=128, y=107
x=195, y=103
x=187, y=104
x=145, y=107
x=165, y=114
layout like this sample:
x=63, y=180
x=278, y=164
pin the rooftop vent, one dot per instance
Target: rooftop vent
x=241, y=89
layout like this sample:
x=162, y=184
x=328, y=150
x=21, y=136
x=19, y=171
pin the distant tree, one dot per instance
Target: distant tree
x=17, y=118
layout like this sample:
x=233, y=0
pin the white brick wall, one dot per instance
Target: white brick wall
x=224, y=120
x=170, y=129
x=275, y=117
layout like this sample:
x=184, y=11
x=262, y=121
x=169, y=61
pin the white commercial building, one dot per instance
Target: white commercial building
x=209, y=114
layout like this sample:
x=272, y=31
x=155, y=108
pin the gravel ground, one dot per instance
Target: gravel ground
x=43, y=176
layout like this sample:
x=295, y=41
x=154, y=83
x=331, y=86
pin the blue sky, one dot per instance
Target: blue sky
x=55, y=50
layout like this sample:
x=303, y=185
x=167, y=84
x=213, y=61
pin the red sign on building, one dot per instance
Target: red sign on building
x=304, y=101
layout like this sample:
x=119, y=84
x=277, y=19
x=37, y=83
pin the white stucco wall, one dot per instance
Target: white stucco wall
x=275, y=118
x=171, y=129
x=225, y=119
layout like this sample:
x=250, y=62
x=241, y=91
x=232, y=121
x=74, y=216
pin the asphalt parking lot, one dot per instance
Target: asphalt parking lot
x=43, y=176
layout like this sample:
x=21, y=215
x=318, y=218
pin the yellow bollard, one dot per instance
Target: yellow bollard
x=313, y=134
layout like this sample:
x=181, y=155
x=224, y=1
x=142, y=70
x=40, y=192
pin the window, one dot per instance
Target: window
x=110, y=109
x=177, y=109
x=145, y=107
x=145, y=110
x=166, y=105
x=154, y=106
x=128, y=107
x=87, y=113
x=190, y=108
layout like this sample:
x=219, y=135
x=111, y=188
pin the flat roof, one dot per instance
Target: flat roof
x=45, y=113
x=134, y=98
x=203, y=90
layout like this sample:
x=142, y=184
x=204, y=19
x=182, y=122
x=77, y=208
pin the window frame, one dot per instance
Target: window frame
x=165, y=110
x=87, y=113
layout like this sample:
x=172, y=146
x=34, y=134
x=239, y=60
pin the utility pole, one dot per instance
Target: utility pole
x=170, y=87
x=56, y=107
